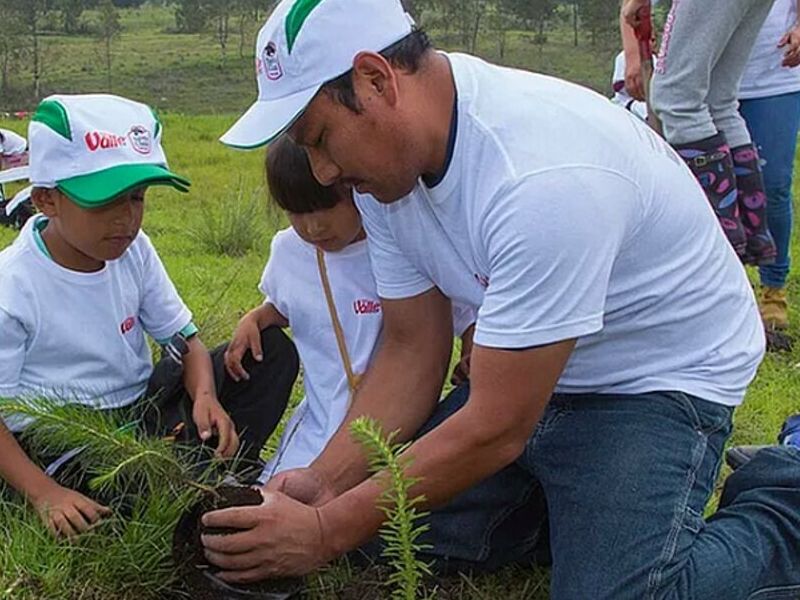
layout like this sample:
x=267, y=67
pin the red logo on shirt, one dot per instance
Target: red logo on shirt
x=366, y=307
x=127, y=325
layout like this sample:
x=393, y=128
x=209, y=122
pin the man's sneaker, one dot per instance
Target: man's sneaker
x=738, y=456
x=790, y=432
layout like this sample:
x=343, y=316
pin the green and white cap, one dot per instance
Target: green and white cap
x=305, y=44
x=95, y=147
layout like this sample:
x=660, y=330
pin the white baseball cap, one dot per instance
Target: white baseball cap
x=96, y=147
x=305, y=44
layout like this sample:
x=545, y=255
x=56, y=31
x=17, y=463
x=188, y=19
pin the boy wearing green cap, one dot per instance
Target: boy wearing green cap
x=81, y=286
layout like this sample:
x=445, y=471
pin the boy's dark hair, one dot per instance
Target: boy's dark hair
x=406, y=54
x=291, y=182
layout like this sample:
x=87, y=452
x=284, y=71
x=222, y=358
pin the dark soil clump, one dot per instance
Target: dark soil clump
x=197, y=573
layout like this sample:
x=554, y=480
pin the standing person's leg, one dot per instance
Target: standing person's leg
x=724, y=106
x=696, y=36
x=627, y=479
x=774, y=123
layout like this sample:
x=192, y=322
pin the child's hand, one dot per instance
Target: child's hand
x=246, y=337
x=634, y=83
x=791, y=41
x=210, y=417
x=67, y=512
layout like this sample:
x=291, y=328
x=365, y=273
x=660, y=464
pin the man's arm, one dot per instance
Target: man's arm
x=509, y=391
x=285, y=537
x=402, y=386
x=633, y=60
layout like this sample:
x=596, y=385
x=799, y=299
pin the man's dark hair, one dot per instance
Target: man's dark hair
x=406, y=54
x=291, y=182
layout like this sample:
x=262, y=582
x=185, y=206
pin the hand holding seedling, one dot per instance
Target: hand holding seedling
x=210, y=418
x=67, y=512
x=307, y=485
x=281, y=537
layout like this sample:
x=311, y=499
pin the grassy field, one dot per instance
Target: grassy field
x=186, y=72
x=216, y=267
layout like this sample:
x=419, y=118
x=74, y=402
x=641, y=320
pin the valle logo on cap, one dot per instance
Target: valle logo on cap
x=305, y=44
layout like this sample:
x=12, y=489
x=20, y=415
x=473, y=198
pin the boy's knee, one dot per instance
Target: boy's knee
x=278, y=348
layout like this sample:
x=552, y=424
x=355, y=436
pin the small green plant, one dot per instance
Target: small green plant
x=400, y=532
x=232, y=226
x=126, y=556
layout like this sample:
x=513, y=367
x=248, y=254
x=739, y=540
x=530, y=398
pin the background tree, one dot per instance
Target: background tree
x=601, y=19
x=71, y=11
x=109, y=28
x=12, y=42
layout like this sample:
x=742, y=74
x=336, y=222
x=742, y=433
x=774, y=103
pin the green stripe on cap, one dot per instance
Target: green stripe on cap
x=53, y=114
x=158, y=123
x=297, y=18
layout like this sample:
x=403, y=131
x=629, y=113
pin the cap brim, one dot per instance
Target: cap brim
x=97, y=189
x=267, y=119
x=15, y=174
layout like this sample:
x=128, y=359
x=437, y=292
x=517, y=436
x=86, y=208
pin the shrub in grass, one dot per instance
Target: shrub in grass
x=126, y=556
x=232, y=226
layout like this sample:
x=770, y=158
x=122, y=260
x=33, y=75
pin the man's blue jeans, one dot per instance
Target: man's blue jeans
x=773, y=122
x=626, y=481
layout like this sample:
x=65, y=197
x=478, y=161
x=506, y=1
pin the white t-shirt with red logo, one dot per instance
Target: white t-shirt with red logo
x=560, y=217
x=291, y=282
x=80, y=337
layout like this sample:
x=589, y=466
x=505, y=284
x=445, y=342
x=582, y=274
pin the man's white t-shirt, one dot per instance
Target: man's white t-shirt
x=80, y=337
x=764, y=75
x=561, y=216
x=291, y=282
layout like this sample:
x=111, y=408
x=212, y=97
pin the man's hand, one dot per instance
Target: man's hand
x=67, y=512
x=210, y=417
x=281, y=537
x=246, y=337
x=630, y=11
x=304, y=485
x=791, y=41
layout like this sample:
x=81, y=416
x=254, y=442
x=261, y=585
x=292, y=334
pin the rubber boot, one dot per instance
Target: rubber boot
x=711, y=162
x=752, y=201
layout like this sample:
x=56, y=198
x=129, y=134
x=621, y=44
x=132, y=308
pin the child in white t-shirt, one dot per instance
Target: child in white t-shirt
x=326, y=242
x=13, y=159
x=621, y=95
x=79, y=289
